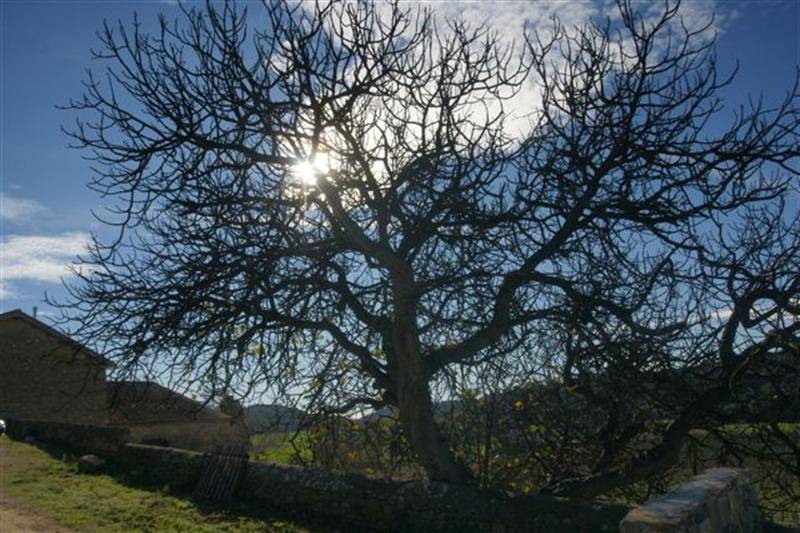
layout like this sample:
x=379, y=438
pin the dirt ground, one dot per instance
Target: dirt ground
x=15, y=518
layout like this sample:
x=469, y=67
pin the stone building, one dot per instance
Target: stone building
x=45, y=375
x=160, y=416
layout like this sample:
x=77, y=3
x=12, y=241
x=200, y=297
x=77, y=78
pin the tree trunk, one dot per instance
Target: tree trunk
x=433, y=453
x=416, y=407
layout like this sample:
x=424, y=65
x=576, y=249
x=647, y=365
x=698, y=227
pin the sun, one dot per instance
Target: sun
x=308, y=171
x=305, y=173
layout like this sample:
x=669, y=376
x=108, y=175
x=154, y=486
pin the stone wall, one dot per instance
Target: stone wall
x=179, y=469
x=365, y=504
x=720, y=499
x=106, y=441
x=43, y=377
x=203, y=435
x=383, y=505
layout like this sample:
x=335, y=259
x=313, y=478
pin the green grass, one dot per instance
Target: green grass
x=281, y=447
x=34, y=476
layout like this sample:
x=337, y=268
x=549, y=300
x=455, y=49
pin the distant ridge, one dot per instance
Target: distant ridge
x=262, y=418
x=441, y=409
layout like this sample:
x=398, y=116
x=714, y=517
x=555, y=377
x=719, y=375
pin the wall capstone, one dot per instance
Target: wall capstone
x=720, y=499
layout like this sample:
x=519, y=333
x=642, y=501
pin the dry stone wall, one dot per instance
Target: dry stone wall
x=720, y=499
x=105, y=441
x=366, y=504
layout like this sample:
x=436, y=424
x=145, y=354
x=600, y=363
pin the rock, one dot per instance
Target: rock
x=90, y=464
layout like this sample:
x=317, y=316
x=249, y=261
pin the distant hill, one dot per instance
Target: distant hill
x=441, y=409
x=262, y=418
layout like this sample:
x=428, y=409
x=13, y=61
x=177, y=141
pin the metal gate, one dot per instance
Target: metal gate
x=222, y=471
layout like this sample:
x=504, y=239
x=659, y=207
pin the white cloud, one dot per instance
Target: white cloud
x=15, y=209
x=511, y=20
x=43, y=258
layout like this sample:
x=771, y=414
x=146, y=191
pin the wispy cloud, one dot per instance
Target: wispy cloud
x=42, y=258
x=16, y=209
x=512, y=20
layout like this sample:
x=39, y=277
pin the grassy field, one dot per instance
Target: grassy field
x=36, y=477
x=280, y=447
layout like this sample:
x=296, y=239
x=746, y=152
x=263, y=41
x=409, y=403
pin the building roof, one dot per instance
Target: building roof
x=145, y=401
x=91, y=355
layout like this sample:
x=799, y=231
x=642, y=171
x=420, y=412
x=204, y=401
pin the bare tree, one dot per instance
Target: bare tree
x=331, y=200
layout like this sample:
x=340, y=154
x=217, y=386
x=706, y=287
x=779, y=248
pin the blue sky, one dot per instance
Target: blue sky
x=45, y=208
